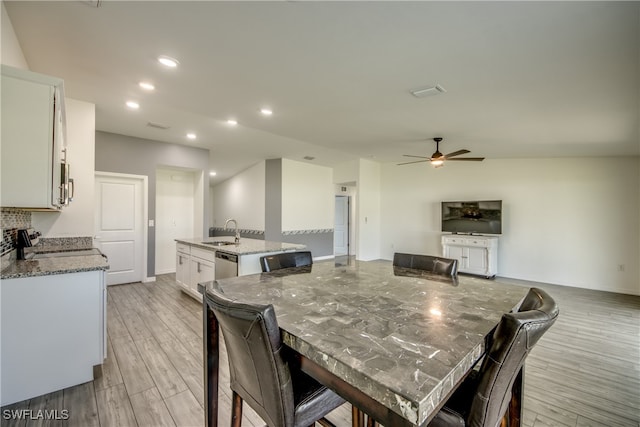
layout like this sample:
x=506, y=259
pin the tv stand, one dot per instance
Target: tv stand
x=475, y=254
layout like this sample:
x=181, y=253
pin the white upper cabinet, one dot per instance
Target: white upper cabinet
x=32, y=144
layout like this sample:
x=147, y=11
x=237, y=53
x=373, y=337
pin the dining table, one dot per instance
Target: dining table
x=394, y=342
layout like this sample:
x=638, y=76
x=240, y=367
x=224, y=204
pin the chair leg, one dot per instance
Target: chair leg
x=325, y=422
x=236, y=410
x=357, y=417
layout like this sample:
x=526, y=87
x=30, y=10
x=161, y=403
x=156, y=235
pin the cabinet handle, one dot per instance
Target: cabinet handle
x=198, y=267
x=72, y=191
x=180, y=259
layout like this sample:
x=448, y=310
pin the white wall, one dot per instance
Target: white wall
x=175, y=214
x=567, y=221
x=11, y=51
x=368, y=205
x=77, y=219
x=307, y=196
x=241, y=197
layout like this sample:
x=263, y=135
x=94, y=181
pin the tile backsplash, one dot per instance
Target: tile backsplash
x=12, y=220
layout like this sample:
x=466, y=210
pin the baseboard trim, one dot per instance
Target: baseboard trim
x=149, y=279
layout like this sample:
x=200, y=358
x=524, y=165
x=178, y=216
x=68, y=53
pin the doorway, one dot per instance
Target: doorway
x=120, y=215
x=175, y=214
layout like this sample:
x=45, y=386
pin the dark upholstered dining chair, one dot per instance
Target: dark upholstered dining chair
x=434, y=264
x=263, y=372
x=483, y=397
x=285, y=260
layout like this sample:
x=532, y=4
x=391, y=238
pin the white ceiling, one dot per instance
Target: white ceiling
x=523, y=79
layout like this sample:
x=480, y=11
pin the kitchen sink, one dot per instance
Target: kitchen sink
x=219, y=243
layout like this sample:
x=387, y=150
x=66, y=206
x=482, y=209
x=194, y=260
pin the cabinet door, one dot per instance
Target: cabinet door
x=201, y=271
x=27, y=137
x=182, y=269
x=457, y=252
x=477, y=260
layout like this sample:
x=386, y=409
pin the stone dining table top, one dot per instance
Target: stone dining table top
x=402, y=337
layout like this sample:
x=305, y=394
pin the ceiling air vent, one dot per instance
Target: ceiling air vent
x=157, y=125
x=308, y=157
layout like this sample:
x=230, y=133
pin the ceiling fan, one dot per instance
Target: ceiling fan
x=437, y=159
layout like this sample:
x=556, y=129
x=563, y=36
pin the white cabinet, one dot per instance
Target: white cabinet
x=32, y=136
x=53, y=332
x=193, y=266
x=202, y=268
x=183, y=256
x=475, y=254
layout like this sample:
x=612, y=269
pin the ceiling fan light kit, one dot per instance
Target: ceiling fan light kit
x=437, y=159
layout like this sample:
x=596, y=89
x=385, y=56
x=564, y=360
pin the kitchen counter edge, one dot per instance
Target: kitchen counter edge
x=50, y=266
x=245, y=247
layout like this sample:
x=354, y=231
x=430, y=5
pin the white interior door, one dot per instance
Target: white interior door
x=341, y=227
x=119, y=226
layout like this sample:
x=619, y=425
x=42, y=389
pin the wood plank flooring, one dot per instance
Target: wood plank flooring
x=584, y=372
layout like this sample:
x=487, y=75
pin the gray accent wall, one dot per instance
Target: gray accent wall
x=319, y=243
x=129, y=155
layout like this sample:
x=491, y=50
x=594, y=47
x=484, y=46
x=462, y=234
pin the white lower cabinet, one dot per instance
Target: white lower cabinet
x=183, y=257
x=475, y=254
x=53, y=332
x=193, y=266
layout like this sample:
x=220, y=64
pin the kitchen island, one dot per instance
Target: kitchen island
x=196, y=260
x=53, y=324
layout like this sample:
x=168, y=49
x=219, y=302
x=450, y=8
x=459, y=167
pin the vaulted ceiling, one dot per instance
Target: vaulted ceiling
x=522, y=79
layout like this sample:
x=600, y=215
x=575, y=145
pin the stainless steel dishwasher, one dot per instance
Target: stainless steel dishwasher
x=226, y=265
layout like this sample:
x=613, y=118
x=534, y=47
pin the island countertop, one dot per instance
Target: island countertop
x=245, y=247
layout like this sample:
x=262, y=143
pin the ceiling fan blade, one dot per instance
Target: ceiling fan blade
x=417, y=161
x=457, y=153
x=420, y=157
x=469, y=159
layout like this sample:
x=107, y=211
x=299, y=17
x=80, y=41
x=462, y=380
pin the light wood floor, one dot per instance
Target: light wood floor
x=584, y=372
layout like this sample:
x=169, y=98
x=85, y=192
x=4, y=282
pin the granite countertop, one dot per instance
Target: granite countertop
x=404, y=341
x=245, y=247
x=56, y=265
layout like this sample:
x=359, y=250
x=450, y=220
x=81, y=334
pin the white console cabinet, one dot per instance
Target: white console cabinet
x=475, y=254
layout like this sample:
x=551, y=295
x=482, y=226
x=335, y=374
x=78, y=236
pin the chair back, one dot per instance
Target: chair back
x=434, y=264
x=258, y=371
x=285, y=260
x=514, y=337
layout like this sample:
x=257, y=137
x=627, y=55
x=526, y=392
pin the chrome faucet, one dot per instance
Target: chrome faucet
x=236, y=224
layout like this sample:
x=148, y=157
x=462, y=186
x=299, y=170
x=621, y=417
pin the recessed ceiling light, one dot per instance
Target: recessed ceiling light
x=133, y=105
x=212, y=173
x=167, y=61
x=146, y=86
x=232, y=122
x=191, y=135
x=266, y=111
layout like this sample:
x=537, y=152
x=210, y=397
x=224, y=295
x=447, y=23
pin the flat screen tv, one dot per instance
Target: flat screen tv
x=472, y=217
